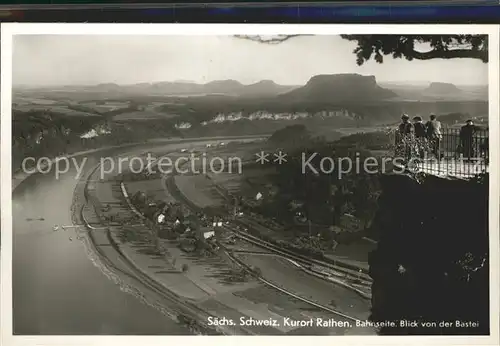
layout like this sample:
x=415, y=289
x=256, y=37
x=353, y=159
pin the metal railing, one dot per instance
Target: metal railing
x=461, y=152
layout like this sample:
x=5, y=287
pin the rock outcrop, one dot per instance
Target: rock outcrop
x=431, y=264
x=442, y=89
x=347, y=87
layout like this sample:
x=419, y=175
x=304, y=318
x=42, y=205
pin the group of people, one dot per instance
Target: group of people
x=421, y=137
x=424, y=135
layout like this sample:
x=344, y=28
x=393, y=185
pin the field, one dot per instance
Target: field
x=216, y=285
x=106, y=106
x=279, y=270
x=142, y=115
x=55, y=109
x=237, y=180
x=153, y=189
x=229, y=181
x=199, y=190
x=33, y=101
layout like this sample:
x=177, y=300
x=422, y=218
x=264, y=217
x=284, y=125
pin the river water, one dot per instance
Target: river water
x=57, y=290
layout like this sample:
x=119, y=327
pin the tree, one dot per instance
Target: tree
x=406, y=46
x=273, y=39
x=290, y=135
x=409, y=47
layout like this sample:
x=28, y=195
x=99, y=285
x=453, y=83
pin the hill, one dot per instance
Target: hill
x=434, y=91
x=448, y=91
x=290, y=135
x=228, y=87
x=441, y=88
x=265, y=88
x=107, y=87
x=340, y=88
x=324, y=103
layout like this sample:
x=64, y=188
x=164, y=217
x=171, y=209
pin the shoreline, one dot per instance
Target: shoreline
x=18, y=176
x=89, y=247
x=179, y=317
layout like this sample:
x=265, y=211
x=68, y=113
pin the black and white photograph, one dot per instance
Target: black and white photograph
x=220, y=181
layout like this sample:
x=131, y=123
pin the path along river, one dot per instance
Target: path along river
x=56, y=289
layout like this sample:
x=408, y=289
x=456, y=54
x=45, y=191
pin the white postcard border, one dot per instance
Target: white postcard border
x=11, y=29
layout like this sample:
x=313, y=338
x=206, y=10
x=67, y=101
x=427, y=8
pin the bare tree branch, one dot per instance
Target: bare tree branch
x=451, y=54
x=405, y=46
x=276, y=39
x=401, y=46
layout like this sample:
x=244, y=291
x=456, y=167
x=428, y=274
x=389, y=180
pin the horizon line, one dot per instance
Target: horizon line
x=413, y=82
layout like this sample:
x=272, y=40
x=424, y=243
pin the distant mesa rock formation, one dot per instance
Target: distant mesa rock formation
x=336, y=88
x=265, y=87
x=341, y=88
x=442, y=89
x=227, y=87
x=222, y=86
x=107, y=87
x=235, y=88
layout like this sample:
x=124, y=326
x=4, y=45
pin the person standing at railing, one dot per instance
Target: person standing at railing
x=405, y=137
x=420, y=130
x=484, y=148
x=467, y=145
x=420, y=136
x=434, y=134
x=405, y=128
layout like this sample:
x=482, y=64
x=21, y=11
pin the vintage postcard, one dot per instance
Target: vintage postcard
x=328, y=181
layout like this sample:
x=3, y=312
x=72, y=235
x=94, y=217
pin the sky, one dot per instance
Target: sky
x=45, y=60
